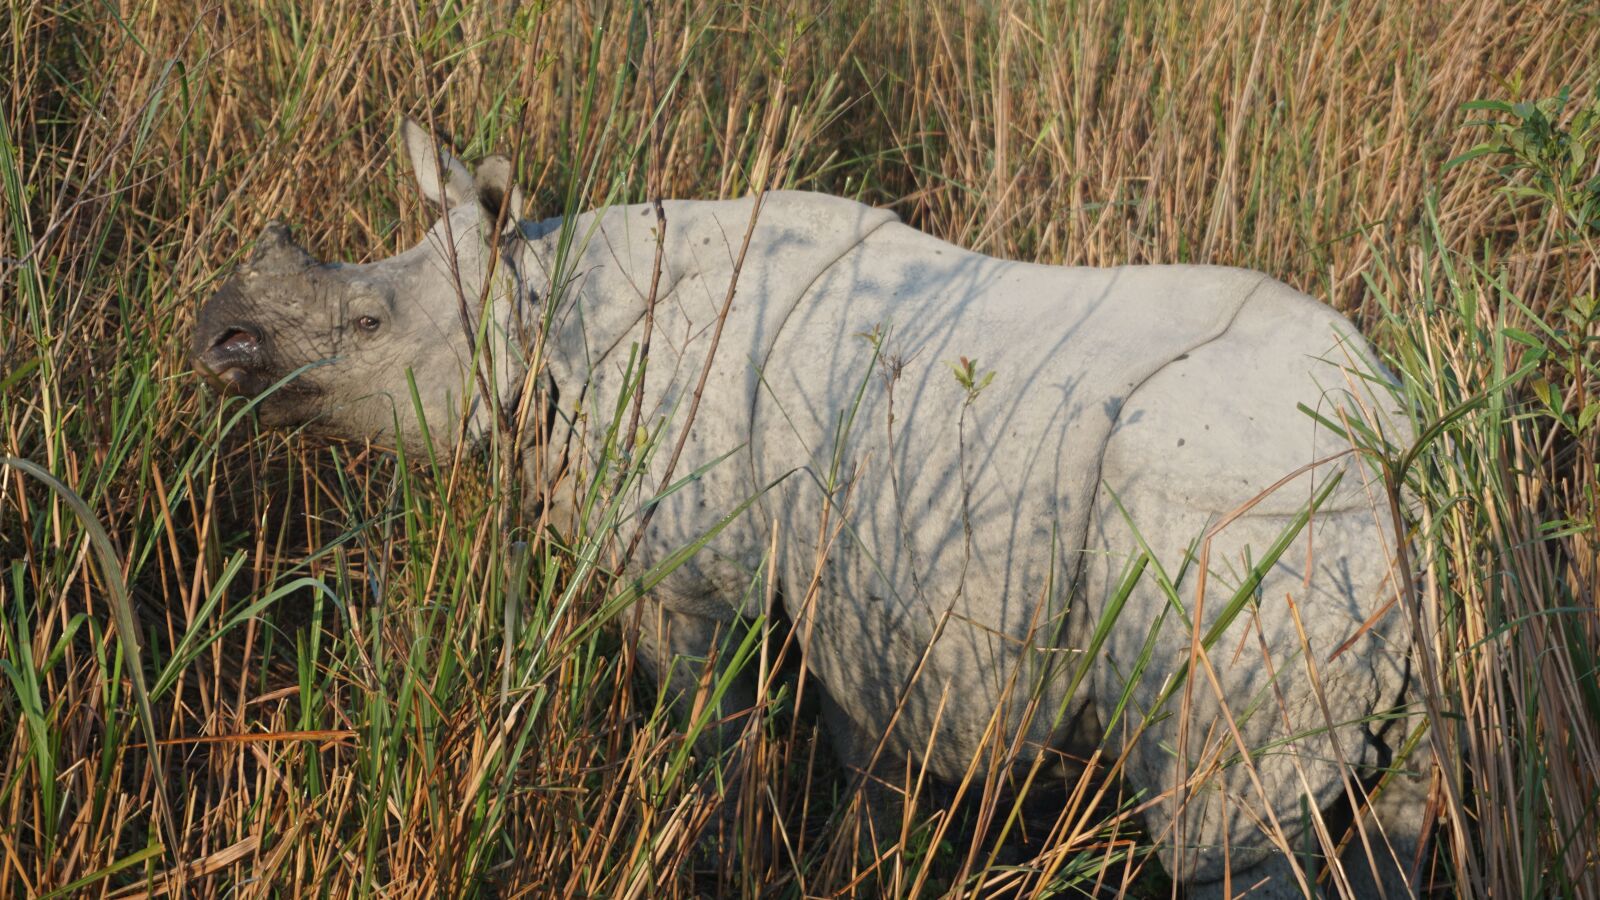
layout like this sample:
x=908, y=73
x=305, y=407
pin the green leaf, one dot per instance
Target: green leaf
x=1481, y=150
x=1587, y=416
x=150, y=852
x=19, y=373
x=1523, y=337
x=1541, y=388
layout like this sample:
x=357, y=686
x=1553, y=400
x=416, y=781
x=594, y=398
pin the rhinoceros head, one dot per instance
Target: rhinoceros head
x=348, y=342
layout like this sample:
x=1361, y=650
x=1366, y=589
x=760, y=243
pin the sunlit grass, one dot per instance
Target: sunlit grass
x=376, y=676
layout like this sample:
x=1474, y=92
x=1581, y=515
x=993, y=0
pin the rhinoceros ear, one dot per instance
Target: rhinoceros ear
x=442, y=178
x=499, y=193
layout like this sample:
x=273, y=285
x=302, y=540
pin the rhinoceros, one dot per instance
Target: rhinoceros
x=1000, y=493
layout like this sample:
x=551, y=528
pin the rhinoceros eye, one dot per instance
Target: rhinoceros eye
x=368, y=324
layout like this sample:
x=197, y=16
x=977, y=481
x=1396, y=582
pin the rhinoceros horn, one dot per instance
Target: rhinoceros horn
x=276, y=251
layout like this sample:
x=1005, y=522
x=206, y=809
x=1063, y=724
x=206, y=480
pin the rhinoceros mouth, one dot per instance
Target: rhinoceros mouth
x=231, y=364
x=234, y=378
x=233, y=381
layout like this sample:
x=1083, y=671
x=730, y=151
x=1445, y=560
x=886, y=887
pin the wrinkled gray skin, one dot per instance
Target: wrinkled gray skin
x=991, y=529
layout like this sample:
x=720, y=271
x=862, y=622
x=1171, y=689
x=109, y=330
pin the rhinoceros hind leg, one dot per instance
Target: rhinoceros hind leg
x=1270, y=879
x=675, y=647
x=876, y=806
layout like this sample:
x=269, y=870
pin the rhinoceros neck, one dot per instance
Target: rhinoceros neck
x=562, y=281
x=600, y=268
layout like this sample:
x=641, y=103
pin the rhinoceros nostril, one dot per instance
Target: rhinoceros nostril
x=237, y=340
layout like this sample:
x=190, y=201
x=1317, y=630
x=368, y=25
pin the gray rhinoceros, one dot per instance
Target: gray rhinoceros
x=990, y=453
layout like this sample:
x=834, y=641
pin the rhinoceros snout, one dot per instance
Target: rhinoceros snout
x=231, y=359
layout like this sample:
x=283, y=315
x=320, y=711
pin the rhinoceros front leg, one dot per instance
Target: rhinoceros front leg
x=878, y=812
x=1397, y=824
x=689, y=655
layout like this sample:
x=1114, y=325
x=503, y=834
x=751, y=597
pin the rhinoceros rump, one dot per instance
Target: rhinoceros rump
x=983, y=523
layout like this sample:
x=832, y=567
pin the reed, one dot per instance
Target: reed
x=348, y=689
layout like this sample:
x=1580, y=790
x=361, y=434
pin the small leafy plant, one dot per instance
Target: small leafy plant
x=971, y=378
x=1556, y=159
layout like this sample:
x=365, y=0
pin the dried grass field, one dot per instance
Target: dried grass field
x=348, y=690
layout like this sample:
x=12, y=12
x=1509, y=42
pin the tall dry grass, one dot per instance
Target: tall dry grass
x=344, y=698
